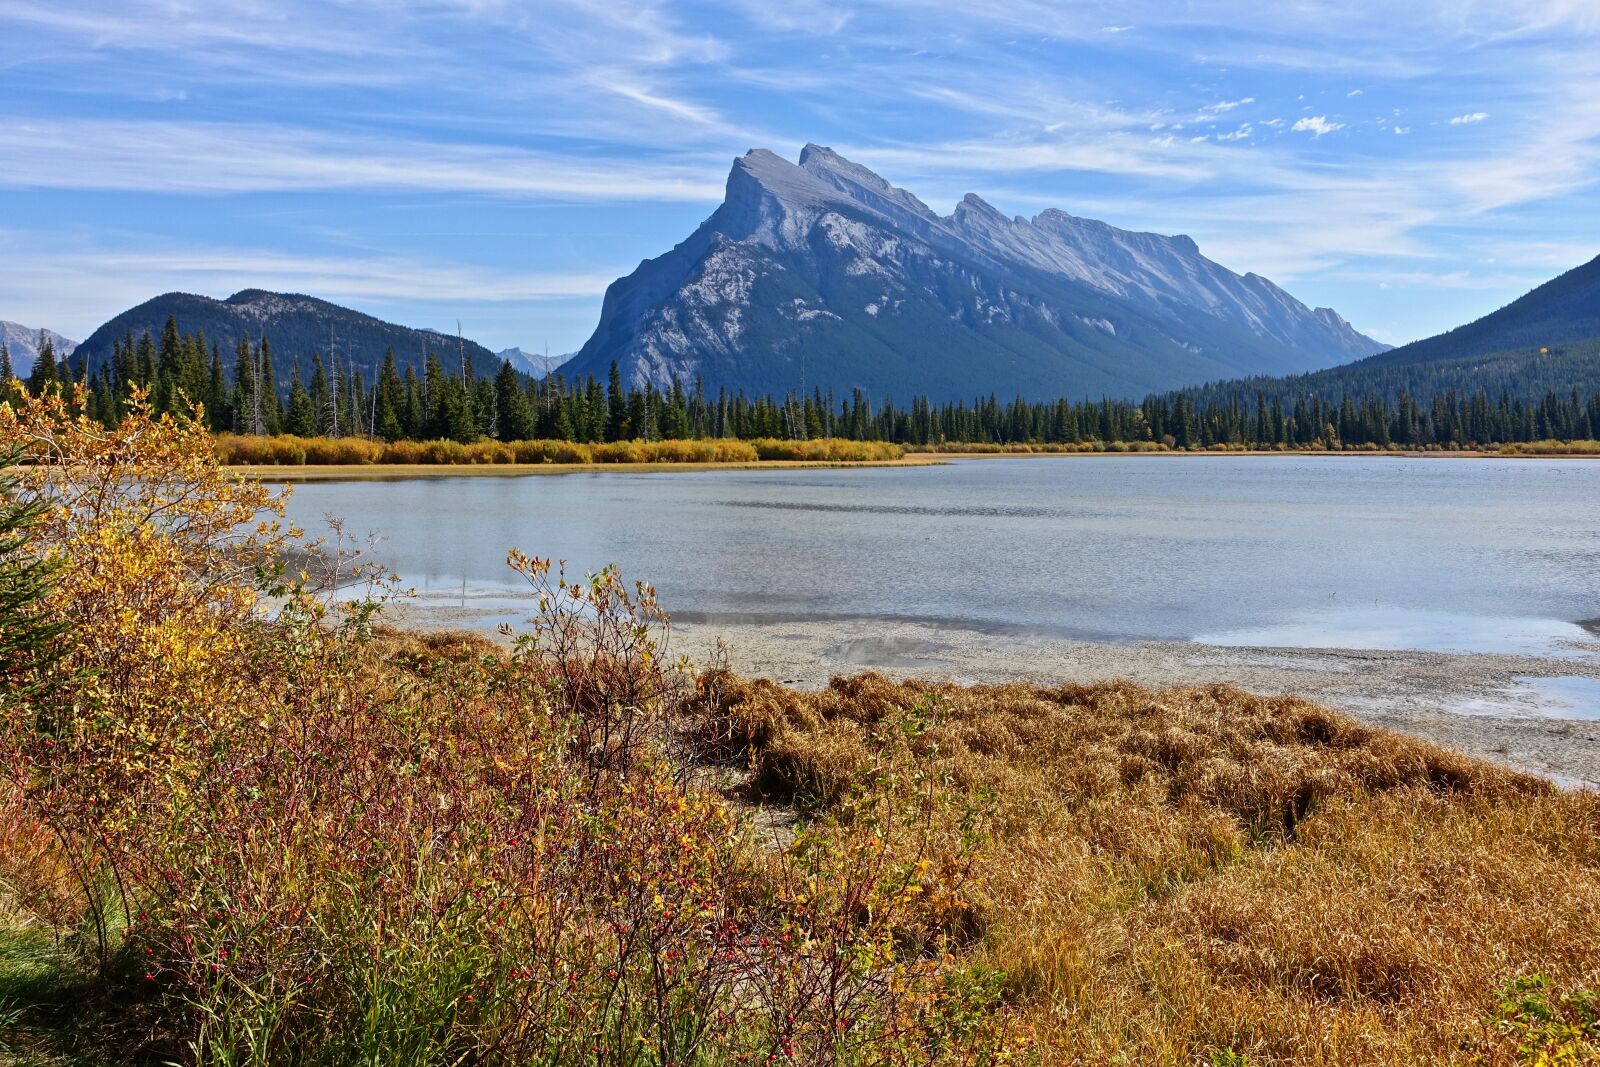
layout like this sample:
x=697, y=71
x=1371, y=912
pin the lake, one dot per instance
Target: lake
x=1295, y=551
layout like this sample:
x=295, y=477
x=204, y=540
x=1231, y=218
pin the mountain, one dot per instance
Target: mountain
x=1546, y=341
x=824, y=274
x=533, y=364
x=23, y=344
x=295, y=325
x=1564, y=309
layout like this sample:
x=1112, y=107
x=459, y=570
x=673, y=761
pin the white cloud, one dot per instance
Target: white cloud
x=1316, y=125
x=219, y=158
x=1353, y=93
x=1468, y=120
x=1227, y=105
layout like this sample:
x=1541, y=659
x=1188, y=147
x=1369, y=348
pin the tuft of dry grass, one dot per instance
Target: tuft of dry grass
x=1185, y=875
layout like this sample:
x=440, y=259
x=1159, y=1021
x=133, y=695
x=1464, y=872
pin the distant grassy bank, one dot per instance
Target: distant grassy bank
x=287, y=450
x=1081, y=448
x=327, y=457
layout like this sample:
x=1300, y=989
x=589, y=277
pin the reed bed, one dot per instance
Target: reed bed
x=1551, y=448
x=1034, y=448
x=287, y=450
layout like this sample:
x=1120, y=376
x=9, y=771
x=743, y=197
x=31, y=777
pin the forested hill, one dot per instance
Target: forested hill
x=296, y=327
x=1562, y=310
x=1545, y=342
x=1523, y=374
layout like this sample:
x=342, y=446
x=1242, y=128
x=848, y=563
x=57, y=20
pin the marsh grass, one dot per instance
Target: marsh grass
x=233, y=449
x=1185, y=876
x=1551, y=448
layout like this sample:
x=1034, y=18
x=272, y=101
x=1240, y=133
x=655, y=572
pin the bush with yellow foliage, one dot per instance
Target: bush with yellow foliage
x=284, y=838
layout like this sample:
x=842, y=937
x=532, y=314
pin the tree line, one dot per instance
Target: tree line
x=332, y=397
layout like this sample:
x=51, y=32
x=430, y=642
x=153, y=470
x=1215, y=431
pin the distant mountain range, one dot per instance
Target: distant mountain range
x=23, y=344
x=295, y=325
x=534, y=365
x=824, y=274
x=1546, y=341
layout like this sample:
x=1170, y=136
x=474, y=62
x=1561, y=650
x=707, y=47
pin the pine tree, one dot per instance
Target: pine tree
x=514, y=420
x=412, y=417
x=388, y=401
x=217, y=413
x=271, y=403
x=7, y=375
x=44, y=367
x=616, y=406
x=321, y=399
x=246, y=417
x=301, y=418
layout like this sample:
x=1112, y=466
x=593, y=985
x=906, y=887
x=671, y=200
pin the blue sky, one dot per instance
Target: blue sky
x=1412, y=163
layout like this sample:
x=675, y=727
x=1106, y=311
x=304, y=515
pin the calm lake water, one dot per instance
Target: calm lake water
x=1470, y=555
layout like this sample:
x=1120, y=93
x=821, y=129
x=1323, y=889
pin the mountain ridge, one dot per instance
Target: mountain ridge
x=824, y=271
x=23, y=344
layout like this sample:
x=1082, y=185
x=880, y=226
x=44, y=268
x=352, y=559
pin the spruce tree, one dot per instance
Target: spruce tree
x=321, y=399
x=245, y=416
x=411, y=414
x=7, y=375
x=388, y=401
x=514, y=419
x=301, y=418
x=44, y=367
x=617, y=406
x=217, y=415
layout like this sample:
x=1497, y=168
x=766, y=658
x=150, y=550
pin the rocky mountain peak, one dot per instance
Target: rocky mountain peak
x=824, y=264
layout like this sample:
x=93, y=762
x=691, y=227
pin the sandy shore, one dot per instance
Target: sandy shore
x=1471, y=702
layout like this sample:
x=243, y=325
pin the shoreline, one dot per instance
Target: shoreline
x=353, y=472
x=1421, y=693
x=1264, y=453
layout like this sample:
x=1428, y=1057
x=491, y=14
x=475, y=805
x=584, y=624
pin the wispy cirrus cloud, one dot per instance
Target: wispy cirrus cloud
x=215, y=158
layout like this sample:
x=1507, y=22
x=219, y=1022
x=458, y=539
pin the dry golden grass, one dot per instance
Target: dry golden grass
x=1552, y=448
x=1199, y=871
x=287, y=450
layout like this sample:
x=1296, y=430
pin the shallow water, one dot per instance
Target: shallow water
x=1559, y=697
x=1460, y=555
